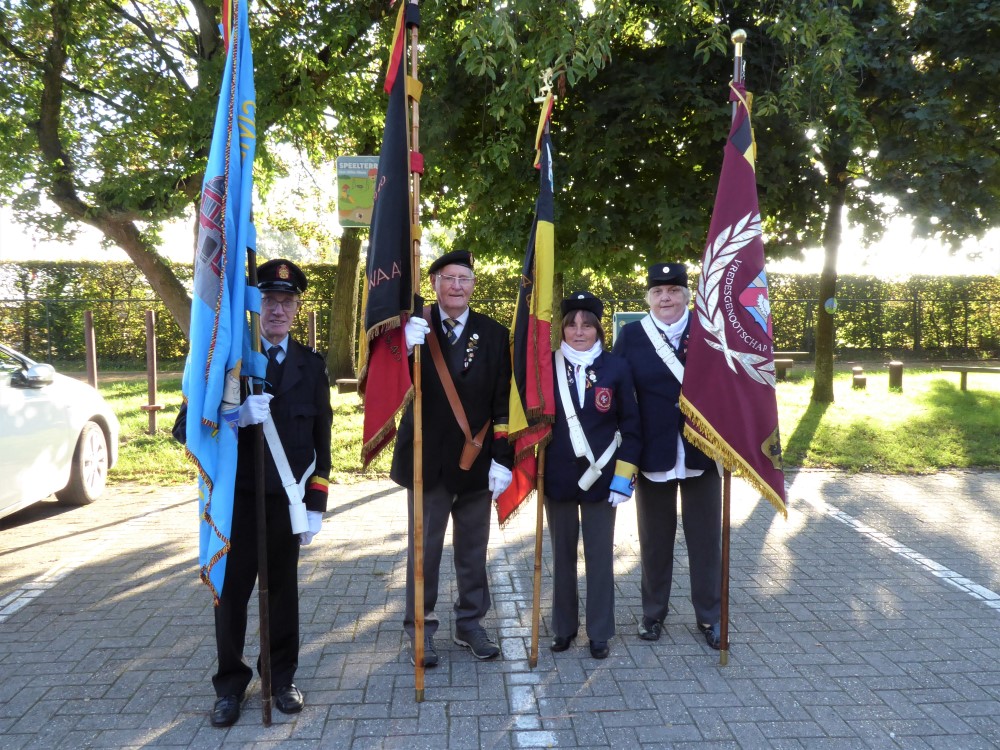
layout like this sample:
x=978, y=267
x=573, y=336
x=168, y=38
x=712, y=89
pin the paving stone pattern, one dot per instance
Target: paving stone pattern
x=867, y=619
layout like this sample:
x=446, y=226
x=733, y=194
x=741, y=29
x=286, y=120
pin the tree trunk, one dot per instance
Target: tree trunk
x=160, y=276
x=117, y=226
x=823, y=381
x=341, y=344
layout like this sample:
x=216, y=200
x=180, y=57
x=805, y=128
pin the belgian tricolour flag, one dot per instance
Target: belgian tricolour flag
x=532, y=403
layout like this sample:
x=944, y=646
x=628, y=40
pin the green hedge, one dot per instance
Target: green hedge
x=42, y=306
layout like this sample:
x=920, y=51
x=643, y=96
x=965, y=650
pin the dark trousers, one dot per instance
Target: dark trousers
x=598, y=521
x=470, y=517
x=656, y=513
x=241, y=573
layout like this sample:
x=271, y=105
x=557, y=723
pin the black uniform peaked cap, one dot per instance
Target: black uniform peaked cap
x=280, y=275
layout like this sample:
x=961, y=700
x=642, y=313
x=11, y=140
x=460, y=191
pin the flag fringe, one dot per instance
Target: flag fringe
x=386, y=325
x=517, y=509
x=708, y=441
x=542, y=425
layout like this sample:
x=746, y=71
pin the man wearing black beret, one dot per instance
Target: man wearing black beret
x=656, y=348
x=297, y=398
x=467, y=354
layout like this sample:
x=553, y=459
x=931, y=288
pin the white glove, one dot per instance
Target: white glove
x=416, y=331
x=315, y=523
x=500, y=477
x=255, y=409
x=617, y=499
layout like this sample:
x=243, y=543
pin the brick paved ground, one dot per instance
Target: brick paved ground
x=867, y=619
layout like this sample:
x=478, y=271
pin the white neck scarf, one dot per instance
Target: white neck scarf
x=581, y=361
x=674, y=330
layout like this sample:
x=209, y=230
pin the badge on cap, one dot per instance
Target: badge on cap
x=283, y=272
x=579, y=296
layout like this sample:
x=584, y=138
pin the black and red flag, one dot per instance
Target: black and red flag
x=532, y=403
x=385, y=383
x=728, y=393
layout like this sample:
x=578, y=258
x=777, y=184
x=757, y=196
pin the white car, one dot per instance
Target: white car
x=57, y=435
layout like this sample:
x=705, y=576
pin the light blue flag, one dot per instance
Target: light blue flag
x=220, y=333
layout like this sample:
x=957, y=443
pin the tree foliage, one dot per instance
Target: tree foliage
x=875, y=108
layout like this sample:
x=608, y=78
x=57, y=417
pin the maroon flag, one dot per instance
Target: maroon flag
x=728, y=394
x=385, y=383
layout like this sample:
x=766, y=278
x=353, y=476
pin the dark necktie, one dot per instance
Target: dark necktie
x=450, y=323
x=274, y=368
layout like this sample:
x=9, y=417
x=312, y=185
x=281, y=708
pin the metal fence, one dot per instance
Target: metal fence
x=51, y=330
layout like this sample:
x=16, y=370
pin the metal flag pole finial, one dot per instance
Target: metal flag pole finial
x=546, y=86
x=739, y=38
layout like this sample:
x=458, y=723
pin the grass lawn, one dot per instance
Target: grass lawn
x=931, y=425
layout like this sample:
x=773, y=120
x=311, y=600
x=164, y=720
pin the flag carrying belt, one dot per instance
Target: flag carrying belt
x=296, y=490
x=663, y=350
x=580, y=445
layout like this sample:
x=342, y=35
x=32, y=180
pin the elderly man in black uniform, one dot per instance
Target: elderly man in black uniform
x=297, y=397
x=465, y=371
x=656, y=348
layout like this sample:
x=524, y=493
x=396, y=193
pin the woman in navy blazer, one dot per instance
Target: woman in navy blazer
x=590, y=468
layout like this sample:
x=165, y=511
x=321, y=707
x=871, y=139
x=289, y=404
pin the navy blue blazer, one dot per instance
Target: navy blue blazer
x=658, y=392
x=608, y=404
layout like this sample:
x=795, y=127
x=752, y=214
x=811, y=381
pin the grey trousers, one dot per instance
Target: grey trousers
x=470, y=516
x=656, y=512
x=598, y=521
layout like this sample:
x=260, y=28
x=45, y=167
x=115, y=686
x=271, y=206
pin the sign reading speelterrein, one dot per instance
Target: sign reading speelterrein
x=356, y=189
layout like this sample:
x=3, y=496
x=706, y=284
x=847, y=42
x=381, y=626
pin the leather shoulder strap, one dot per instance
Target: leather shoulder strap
x=449, y=386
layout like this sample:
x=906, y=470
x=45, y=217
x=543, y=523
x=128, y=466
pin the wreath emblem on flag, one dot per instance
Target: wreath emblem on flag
x=711, y=314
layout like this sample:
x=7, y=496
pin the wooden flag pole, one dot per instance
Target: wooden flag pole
x=739, y=37
x=260, y=455
x=724, y=614
x=418, y=406
x=536, y=596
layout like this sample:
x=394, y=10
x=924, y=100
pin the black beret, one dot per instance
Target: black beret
x=674, y=274
x=583, y=301
x=455, y=257
x=281, y=275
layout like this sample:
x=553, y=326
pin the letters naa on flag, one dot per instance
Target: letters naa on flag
x=532, y=402
x=728, y=394
x=385, y=383
x=220, y=346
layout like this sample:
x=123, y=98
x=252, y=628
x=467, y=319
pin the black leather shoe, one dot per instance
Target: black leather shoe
x=226, y=711
x=288, y=699
x=562, y=642
x=430, y=654
x=599, y=649
x=712, y=634
x=650, y=630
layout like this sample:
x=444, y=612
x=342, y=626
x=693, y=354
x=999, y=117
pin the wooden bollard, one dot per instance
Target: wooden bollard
x=90, y=346
x=895, y=376
x=152, y=407
x=859, y=380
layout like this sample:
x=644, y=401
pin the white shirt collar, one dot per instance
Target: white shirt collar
x=461, y=320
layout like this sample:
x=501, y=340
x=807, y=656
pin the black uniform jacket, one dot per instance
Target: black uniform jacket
x=658, y=391
x=479, y=363
x=303, y=417
x=608, y=405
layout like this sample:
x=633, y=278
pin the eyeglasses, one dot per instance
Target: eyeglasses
x=462, y=281
x=288, y=305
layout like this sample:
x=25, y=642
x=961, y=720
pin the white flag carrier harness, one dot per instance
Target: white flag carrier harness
x=663, y=349
x=296, y=490
x=580, y=445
